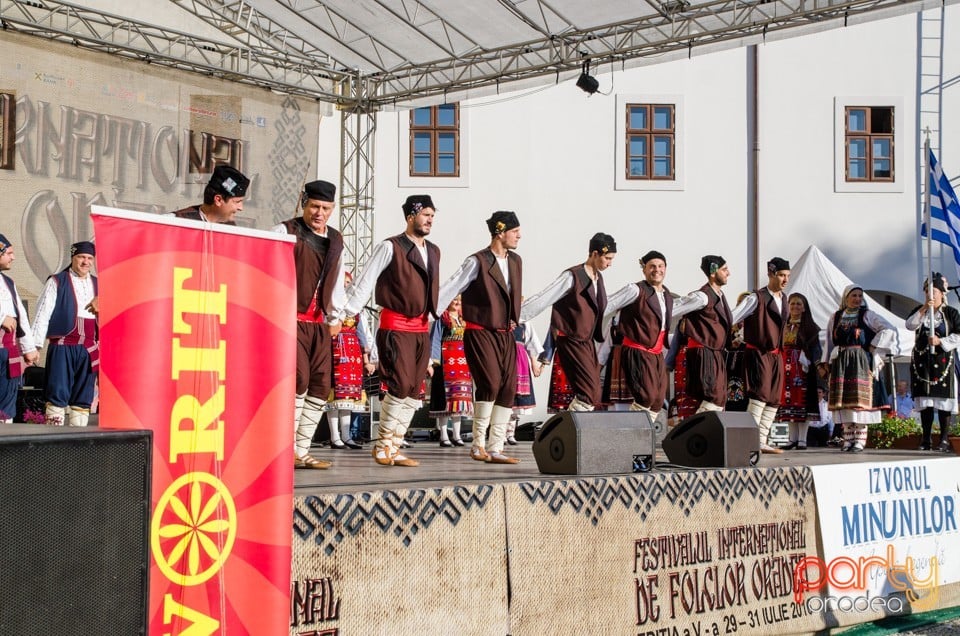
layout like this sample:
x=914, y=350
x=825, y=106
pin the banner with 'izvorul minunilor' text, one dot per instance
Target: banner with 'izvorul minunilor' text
x=196, y=323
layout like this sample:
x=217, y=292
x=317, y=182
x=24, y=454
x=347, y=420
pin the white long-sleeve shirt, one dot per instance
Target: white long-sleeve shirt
x=338, y=297
x=919, y=318
x=82, y=292
x=531, y=342
x=466, y=274
x=681, y=306
x=10, y=305
x=883, y=343
x=748, y=305
x=553, y=292
x=363, y=286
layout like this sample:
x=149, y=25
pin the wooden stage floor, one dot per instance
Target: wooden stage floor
x=355, y=471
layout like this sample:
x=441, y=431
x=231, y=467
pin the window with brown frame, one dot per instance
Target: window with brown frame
x=435, y=141
x=869, y=143
x=651, y=141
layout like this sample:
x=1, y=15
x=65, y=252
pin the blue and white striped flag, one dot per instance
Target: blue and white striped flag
x=944, y=210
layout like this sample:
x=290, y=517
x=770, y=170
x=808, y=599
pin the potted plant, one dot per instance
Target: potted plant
x=894, y=432
x=953, y=437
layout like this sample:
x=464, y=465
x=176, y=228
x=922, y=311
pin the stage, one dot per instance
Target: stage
x=457, y=546
x=354, y=470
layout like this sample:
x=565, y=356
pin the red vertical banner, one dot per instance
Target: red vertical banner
x=198, y=332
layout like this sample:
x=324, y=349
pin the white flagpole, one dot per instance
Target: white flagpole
x=926, y=219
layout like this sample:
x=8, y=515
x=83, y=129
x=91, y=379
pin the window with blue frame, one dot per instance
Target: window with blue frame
x=435, y=141
x=651, y=141
x=869, y=143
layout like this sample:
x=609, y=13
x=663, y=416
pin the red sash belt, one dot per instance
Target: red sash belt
x=473, y=325
x=750, y=346
x=14, y=358
x=656, y=349
x=395, y=321
x=83, y=334
x=312, y=314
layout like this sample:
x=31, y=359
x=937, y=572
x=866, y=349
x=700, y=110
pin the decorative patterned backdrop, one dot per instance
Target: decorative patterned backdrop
x=79, y=128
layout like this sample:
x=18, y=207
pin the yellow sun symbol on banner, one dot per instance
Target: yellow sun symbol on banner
x=198, y=526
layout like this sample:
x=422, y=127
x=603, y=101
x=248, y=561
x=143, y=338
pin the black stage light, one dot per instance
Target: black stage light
x=587, y=83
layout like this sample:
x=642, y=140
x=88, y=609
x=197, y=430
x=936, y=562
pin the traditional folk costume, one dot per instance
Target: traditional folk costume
x=350, y=346
x=682, y=404
x=579, y=303
x=764, y=315
x=490, y=287
x=16, y=343
x=616, y=389
x=736, y=372
x=800, y=350
x=933, y=378
x=404, y=278
x=226, y=181
x=194, y=213
x=528, y=349
x=645, y=315
x=73, y=357
x=451, y=388
x=852, y=368
x=707, y=329
x=320, y=295
x=560, y=393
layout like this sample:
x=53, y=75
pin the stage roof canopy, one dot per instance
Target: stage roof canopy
x=403, y=53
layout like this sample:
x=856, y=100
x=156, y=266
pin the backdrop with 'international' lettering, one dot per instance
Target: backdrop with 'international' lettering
x=197, y=325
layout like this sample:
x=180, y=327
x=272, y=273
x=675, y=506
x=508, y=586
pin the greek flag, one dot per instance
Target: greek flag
x=944, y=209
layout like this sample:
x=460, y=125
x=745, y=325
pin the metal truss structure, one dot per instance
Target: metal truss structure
x=413, y=49
x=367, y=55
x=244, y=57
x=358, y=127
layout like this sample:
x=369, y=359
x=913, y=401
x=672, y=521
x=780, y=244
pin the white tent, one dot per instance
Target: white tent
x=822, y=282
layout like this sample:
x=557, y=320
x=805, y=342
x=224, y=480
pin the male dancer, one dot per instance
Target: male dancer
x=66, y=315
x=404, y=273
x=18, y=349
x=646, y=308
x=707, y=328
x=579, y=299
x=490, y=282
x=320, y=296
x=222, y=197
x=764, y=313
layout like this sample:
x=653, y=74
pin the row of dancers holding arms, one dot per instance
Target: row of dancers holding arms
x=487, y=352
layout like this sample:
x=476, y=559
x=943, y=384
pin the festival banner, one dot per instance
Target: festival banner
x=197, y=325
x=664, y=553
x=885, y=528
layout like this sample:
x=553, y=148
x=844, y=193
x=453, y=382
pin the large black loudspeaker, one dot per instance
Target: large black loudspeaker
x=74, y=528
x=714, y=440
x=594, y=443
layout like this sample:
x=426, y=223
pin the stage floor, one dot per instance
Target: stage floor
x=355, y=470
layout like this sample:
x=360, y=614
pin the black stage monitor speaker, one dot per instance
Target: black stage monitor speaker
x=595, y=443
x=74, y=528
x=714, y=440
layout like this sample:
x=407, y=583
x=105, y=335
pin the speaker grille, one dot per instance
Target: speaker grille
x=73, y=533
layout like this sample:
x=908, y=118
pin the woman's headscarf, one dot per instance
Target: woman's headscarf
x=846, y=292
